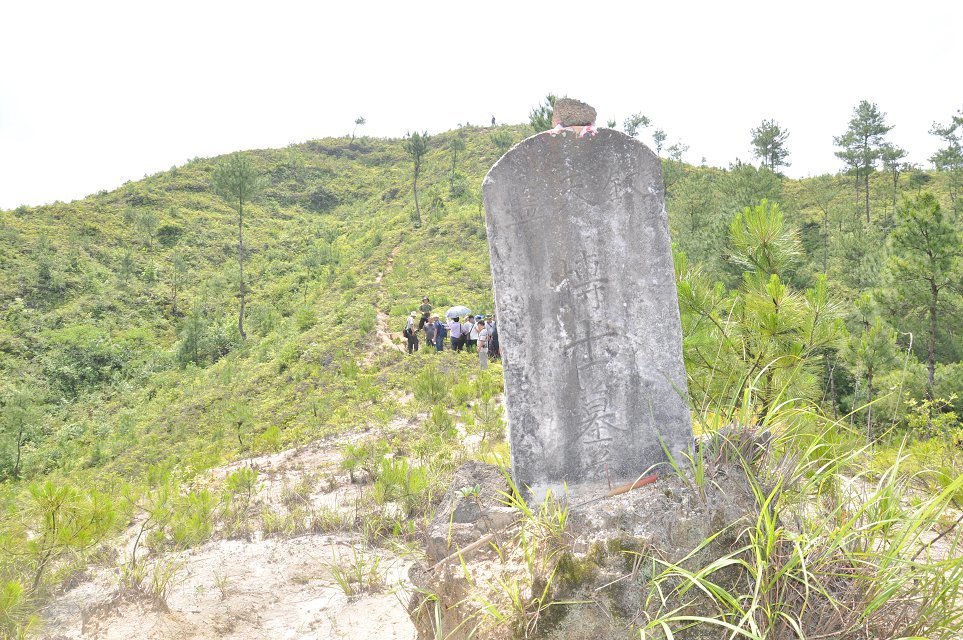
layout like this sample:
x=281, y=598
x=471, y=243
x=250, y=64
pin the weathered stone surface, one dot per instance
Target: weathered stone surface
x=587, y=309
x=462, y=519
x=599, y=576
x=572, y=113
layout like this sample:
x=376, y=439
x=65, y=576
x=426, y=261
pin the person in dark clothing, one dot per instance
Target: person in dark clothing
x=493, y=347
x=430, y=332
x=411, y=333
x=440, y=332
x=425, y=309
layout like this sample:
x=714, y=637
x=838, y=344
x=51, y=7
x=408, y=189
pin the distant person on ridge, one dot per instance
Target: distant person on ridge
x=494, y=351
x=493, y=121
x=473, y=334
x=411, y=333
x=430, y=333
x=440, y=332
x=481, y=332
x=425, y=309
x=454, y=330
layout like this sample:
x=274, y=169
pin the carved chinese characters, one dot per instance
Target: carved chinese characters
x=587, y=310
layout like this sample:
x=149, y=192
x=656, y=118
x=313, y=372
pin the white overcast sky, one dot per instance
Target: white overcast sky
x=96, y=93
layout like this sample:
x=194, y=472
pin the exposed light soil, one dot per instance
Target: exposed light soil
x=277, y=587
x=274, y=588
x=259, y=586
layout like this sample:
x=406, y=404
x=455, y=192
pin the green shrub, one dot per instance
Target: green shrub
x=17, y=617
x=933, y=418
x=365, y=456
x=270, y=440
x=401, y=482
x=430, y=386
x=262, y=318
x=441, y=423
x=358, y=574
x=366, y=324
x=305, y=318
x=192, y=520
x=242, y=483
x=81, y=357
x=462, y=392
x=169, y=234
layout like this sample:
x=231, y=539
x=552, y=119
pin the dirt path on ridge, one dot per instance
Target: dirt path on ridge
x=384, y=337
x=259, y=586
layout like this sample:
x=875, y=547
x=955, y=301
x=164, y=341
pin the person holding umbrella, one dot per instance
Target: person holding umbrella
x=455, y=328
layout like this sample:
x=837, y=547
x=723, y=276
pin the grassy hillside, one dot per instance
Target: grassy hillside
x=121, y=366
x=89, y=320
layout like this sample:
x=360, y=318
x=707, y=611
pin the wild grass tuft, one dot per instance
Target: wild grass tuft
x=358, y=573
x=833, y=550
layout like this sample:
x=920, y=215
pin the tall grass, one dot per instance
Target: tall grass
x=834, y=549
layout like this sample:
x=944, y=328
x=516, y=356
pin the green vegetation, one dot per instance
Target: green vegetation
x=540, y=117
x=833, y=551
x=134, y=356
x=769, y=144
x=238, y=182
x=416, y=144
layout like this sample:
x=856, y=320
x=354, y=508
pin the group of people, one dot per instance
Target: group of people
x=476, y=333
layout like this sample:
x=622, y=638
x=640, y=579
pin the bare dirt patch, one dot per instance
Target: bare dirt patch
x=278, y=586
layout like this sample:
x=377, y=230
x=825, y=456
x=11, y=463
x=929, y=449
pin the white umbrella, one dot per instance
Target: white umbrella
x=457, y=312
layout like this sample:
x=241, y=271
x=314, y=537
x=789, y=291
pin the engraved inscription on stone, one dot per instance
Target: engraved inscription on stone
x=587, y=308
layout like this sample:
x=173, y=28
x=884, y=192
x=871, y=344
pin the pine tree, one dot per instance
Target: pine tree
x=862, y=143
x=178, y=272
x=541, y=116
x=237, y=181
x=147, y=222
x=658, y=139
x=892, y=157
x=871, y=351
x=19, y=424
x=456, y=145
x=925, y=269
x=359, y=122
x=635, y=122
x=949, y=159
x=769, y=145
x=765, y=335
x=416, y=144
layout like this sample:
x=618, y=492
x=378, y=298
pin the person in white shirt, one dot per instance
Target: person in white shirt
x=472, y=331
x=456, y=334
x=481, y=332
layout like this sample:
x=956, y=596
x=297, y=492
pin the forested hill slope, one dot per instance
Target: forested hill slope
x=120, y=356
x=118, y=312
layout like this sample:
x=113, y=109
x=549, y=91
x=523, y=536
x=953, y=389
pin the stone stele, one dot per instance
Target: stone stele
x=588, y=313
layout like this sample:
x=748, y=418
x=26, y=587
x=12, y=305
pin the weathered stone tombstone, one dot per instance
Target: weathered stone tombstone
x=587, y=308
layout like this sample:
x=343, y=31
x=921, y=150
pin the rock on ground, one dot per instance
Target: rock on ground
x=596, y=569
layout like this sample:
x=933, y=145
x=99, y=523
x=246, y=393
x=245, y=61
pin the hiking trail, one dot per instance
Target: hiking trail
x=384, y=337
